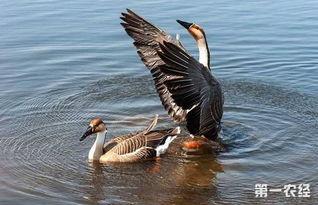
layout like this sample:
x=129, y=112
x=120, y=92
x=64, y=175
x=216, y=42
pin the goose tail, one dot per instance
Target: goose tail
x=162, y=148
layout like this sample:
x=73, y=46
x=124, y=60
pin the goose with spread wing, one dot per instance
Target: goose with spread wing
x=144, y=145
x=186, y=87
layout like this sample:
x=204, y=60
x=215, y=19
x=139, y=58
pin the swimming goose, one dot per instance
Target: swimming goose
x=147, y=144
x=186, y=87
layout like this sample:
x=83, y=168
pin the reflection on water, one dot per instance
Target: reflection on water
x=64, y=66
x=186, y=178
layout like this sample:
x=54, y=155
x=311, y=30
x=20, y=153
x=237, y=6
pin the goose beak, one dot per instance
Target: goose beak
x=185, y=24
x=88, y=132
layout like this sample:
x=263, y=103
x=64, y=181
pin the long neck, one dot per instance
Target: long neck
x=204, y=53
x=97, y=149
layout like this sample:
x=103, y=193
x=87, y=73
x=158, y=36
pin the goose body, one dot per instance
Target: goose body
x=143, y=145
x=186, y=87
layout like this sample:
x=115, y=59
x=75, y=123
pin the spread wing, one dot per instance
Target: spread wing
x=194, y=89
x=146, y=40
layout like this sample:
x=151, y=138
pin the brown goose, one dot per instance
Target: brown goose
x=147, y=144
x=186, y=87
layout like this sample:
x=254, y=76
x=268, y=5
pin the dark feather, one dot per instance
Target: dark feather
x=186, y=88
x=146, y=40
x=193, y=88
x=158, y=137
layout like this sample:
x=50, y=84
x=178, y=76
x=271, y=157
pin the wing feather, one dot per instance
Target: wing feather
x=193, y=88
x=147, y=38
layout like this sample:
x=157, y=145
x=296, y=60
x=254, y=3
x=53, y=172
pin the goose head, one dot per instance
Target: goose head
x=95, y=126
x=194, y=29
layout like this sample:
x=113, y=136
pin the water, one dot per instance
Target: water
x=66, y=62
